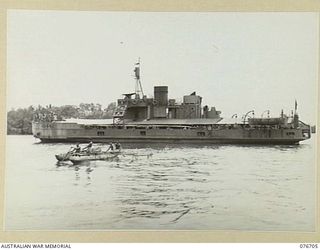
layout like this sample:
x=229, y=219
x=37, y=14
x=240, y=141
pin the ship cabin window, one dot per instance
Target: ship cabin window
x=290, y=133
x=100, y=133
x=201, y=133
x=142, y=132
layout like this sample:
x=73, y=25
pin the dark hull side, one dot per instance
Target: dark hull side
x=173, y=141
x=73, y=133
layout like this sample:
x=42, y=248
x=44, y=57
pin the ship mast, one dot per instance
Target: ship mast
x=138, y=87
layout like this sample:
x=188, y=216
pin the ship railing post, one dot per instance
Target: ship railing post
x=268, y=113
x=245, y=116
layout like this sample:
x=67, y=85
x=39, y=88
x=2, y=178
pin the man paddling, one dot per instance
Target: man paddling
x=114, y=146
x=88, y=148
x=77, y=149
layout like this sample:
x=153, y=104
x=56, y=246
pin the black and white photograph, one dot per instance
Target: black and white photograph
x=161, y=121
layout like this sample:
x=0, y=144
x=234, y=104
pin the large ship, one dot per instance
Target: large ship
x=140, y=119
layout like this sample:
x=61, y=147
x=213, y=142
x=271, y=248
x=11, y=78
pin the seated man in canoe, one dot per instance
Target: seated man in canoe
x=77, y=149
x=114, y=147
x=118, y=146
x=88, y=148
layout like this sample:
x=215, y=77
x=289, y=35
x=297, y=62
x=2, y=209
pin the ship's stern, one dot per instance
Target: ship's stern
x=305, y=129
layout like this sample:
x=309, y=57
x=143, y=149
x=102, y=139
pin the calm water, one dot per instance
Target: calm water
x=201, y=187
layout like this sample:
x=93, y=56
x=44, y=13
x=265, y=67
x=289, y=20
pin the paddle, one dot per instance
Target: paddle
x=67, y=154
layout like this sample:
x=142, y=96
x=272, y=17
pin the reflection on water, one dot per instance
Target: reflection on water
x=179, y=187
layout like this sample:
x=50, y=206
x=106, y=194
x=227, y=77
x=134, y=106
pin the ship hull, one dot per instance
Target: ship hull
x=222, y=134
x=76, y=159
x=172, y=141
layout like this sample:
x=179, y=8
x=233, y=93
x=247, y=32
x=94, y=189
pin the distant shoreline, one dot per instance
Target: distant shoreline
x=19, y=121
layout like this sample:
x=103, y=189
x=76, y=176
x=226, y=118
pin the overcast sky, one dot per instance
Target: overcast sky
x=235, y=61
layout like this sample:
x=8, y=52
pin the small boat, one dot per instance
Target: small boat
x=94, y=151
x=77, y=155
x=102, y=156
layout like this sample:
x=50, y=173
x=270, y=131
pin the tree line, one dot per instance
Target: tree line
x=19, y=121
